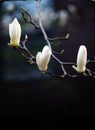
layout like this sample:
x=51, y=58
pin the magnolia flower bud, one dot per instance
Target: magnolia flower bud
x=15, y=33
x=81, y=59
x=43, y=58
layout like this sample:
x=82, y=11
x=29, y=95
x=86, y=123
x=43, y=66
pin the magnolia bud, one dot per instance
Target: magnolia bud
x=81, y=59
x=43, y=58
x=15, y=33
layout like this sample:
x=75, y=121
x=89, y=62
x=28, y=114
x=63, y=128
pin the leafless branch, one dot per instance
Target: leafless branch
x=32, y=59
x=27, y=18
x=59, y=38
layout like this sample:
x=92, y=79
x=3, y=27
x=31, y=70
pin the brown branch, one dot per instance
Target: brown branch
x=31, y=58
x=27, y=18
x=91, y=61
x=58, y=38
x=69, y=63
x=60, y=76
x=54, y=75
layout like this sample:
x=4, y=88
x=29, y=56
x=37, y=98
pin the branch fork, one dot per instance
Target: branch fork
x=32, y=59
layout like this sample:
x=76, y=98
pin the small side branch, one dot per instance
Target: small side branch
x=24, y=51
x=31, y=58
x=91, y=61
x=59, y=38
x=27, y=18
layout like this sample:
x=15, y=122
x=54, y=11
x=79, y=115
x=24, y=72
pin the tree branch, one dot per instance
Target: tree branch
x=59, y=38
x=46, y=38
x=27, y=18
x=31, y=58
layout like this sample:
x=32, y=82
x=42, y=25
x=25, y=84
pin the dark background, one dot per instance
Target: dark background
x=27, y=95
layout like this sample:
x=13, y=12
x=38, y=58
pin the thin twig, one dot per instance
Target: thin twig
x=24, y=14
x=41, y=26
x=59, y=38
x=91, y=61
x=54, y=75
x=59, y=53
x=68, y=63
x=31, y=58
x=89, y=72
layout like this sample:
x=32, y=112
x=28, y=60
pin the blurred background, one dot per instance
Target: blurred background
x=27, y=93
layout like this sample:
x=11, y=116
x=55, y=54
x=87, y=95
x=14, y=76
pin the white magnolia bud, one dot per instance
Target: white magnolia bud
x=15, y=33
x=81, y=59
x=43, y=58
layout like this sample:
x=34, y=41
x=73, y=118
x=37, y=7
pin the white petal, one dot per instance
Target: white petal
x=15, y=32
x=81, y=59
x=43, y=58
x=38, y=59
x=46, y=54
